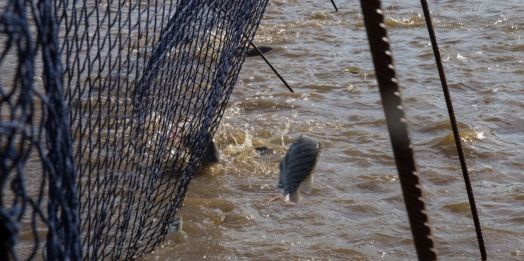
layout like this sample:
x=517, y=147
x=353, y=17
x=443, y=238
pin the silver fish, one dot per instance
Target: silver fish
x=176, y=225
x=296, y=169
x=183, y=134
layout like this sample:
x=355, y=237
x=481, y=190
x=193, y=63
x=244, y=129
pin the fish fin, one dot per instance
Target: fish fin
x=293, y=197
x=306, y=185
x=211, y=154
x=176, y=225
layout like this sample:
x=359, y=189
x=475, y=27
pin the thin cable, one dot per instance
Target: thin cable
x=268, y=63
x=261, y=55
x=334, y=5
x=454, y=126
x=398, y=130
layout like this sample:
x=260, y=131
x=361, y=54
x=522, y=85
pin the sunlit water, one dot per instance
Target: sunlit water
x=356, y=211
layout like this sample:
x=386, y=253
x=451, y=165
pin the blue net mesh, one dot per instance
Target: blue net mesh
x=106, y=111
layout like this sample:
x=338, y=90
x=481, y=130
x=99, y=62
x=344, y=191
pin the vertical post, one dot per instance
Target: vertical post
x=398, y=130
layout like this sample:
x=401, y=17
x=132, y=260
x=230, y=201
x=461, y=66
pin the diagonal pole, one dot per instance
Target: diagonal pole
x=456, y=133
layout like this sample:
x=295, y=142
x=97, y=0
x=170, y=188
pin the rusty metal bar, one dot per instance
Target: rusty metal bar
x=398, y=130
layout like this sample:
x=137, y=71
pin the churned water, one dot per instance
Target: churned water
x=356, y=210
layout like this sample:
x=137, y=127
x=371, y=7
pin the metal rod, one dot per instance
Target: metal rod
x=334, y=5
x=268, y=63
x=262, y=55
x=456, y=133
x=398, y=130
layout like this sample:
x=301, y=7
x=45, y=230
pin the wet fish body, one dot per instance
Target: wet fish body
x=211, y=154
x=296, y=168
x=186, y=135
x=176, y=225
x=253, y=52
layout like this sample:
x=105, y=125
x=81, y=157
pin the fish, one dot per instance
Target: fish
x=211, y=154
x=296, y=169
x=182, y=134
x=263, y=150
x=252, y=52
x=176, y=225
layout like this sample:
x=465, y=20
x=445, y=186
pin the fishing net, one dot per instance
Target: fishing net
x=106, y=111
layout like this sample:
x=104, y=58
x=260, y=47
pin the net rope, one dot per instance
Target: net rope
x=107, y=108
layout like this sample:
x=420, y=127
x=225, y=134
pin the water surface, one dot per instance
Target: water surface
x=356, y=211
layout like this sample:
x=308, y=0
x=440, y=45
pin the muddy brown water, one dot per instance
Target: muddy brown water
x=356, y=211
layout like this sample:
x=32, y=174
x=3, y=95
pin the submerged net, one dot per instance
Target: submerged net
x=106, y=110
